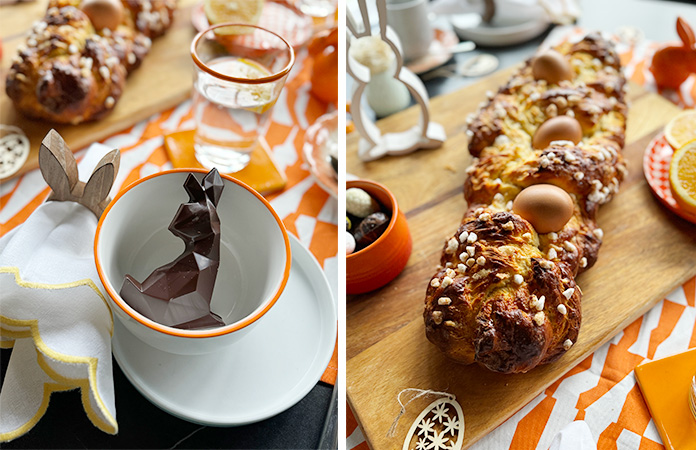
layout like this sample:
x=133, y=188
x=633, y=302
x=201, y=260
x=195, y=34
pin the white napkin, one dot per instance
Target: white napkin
x=554, y=11
x=54, y=315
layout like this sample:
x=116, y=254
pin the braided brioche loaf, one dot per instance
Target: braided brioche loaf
x=505, y=295
x=71, y=72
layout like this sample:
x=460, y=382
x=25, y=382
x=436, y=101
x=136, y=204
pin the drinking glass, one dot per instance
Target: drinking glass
x=239, y=73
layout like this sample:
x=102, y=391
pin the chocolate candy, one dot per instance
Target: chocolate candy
x=370, y=229
x=178, y=294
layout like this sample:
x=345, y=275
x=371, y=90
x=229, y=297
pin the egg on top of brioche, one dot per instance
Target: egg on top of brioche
x=103, y=13
x=559, y=128
x=546, y=206
x=552, y=67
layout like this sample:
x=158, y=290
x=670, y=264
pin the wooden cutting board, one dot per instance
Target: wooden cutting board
x=647, y=252
x=164, y=79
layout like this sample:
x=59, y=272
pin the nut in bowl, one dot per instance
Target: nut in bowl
x=133, y=238
x=374, y=264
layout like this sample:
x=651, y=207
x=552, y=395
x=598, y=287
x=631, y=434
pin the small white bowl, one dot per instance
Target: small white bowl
x=133, y=238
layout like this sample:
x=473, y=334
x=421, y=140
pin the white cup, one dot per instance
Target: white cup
x=410, y=21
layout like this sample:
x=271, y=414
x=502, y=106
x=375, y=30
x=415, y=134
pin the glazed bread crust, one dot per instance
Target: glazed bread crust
x=68, y=72
x=505, y=296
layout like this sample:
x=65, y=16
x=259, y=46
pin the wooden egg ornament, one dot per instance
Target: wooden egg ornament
x=559, y=128
x=445, y=411
x=552, y=67
x=103, y=13
x=547, y=207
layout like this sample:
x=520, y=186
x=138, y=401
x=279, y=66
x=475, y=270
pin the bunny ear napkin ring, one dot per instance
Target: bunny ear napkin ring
x=52, y=312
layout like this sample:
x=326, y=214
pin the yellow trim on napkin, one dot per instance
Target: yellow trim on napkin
x=15, y=334
x=111, y=426
x=48, y=389
x=85, y=282
x=84, y=386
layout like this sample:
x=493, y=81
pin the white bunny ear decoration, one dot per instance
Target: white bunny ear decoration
x=373, y=144
x=59, y=169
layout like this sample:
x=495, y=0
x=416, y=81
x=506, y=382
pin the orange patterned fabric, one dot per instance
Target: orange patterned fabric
x=602, y=389
x=307, y=211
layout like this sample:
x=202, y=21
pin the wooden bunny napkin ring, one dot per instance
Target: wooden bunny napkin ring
x=59, y=169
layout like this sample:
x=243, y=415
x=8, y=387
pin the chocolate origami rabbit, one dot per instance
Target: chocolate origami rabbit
x=178, y=294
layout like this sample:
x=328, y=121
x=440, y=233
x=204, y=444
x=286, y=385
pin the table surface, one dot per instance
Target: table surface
x=141, y=423
x=656, y=19
x=144, y=425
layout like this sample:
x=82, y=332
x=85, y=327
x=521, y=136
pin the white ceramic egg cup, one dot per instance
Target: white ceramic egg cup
x=266, y=372
x=373, y=144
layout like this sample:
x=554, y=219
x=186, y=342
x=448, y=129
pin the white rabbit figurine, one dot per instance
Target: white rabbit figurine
x=373, y=144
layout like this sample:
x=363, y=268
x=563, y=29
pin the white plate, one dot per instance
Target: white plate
x=513, y=30
x=266, y=372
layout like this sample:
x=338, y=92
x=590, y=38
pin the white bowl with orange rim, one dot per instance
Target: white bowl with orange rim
x=133, y=238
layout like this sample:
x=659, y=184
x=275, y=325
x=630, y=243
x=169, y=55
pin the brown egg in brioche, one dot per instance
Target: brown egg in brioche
x=73, y=68
x=504, y=295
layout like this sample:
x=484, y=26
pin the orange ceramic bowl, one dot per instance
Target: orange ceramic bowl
x=379, y=263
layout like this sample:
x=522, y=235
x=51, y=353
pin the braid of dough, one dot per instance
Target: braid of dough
x=504, y=295
x=68, y=72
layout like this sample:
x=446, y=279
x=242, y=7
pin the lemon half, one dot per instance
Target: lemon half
x=682, y=176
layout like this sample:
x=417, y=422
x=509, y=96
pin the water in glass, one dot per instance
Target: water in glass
x=230, y=116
